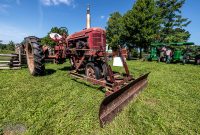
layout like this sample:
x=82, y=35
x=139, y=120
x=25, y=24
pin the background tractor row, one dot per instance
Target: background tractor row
x=185, y=52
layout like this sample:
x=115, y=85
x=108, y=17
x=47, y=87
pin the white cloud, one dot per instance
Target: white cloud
x=57, y=2
x=5, y=6
x=102, y=17
x=9, y=32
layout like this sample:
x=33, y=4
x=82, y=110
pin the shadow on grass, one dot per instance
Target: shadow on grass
x=49, y=71
x=65, y=69
x=90, y=85
x=82, y=82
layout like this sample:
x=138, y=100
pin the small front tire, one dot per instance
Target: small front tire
x=92, y=71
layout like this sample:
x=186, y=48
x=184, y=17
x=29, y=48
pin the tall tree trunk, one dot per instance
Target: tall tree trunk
x=140, y=52
x=129, y=53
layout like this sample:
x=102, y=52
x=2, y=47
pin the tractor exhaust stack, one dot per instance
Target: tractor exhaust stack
x=88, y=22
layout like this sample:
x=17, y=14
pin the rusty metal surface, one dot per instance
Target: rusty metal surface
x=100, y=82
x=115, y=102
x=80, y=63
x=124, y=62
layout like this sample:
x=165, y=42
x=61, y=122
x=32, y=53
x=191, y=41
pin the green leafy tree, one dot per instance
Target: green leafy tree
x=173, y=24
x=115, y=30
x=10, y=46
x=2, y=46
x=48, y=41
x=142, y=23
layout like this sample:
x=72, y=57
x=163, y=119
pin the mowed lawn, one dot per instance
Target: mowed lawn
x=58, y=104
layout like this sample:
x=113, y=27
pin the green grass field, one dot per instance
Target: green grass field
x=58, y=104
x=6, y=51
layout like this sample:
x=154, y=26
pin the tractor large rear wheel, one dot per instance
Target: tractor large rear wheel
x=35, y=56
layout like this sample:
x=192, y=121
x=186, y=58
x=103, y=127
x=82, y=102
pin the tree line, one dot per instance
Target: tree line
x=9, y=46
x=148, y=21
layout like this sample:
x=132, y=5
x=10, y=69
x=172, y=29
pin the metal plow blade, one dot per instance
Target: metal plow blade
x=115, y=102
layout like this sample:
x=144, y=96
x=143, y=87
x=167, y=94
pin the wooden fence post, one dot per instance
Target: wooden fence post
x=20, y=56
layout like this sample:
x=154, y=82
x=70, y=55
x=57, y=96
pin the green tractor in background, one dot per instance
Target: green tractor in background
x=185, y=52
x=179, y=51
x=156, y=53
x=197, y=57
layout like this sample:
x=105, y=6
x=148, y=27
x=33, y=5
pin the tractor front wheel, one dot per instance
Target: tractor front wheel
x=92, y=71
x=105, y=70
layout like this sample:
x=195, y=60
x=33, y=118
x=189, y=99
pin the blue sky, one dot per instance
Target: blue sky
x=21, y=18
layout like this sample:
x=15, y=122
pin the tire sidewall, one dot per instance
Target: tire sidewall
x=95, y=68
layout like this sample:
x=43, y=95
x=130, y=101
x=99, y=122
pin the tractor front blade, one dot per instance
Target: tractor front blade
x=115, y=102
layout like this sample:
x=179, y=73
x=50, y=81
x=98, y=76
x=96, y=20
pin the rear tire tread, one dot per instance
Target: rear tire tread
x=38, y=58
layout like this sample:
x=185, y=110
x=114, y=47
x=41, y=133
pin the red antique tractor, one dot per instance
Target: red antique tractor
x=86, y=51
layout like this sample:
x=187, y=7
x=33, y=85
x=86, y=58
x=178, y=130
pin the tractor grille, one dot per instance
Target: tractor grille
x=98, y=42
